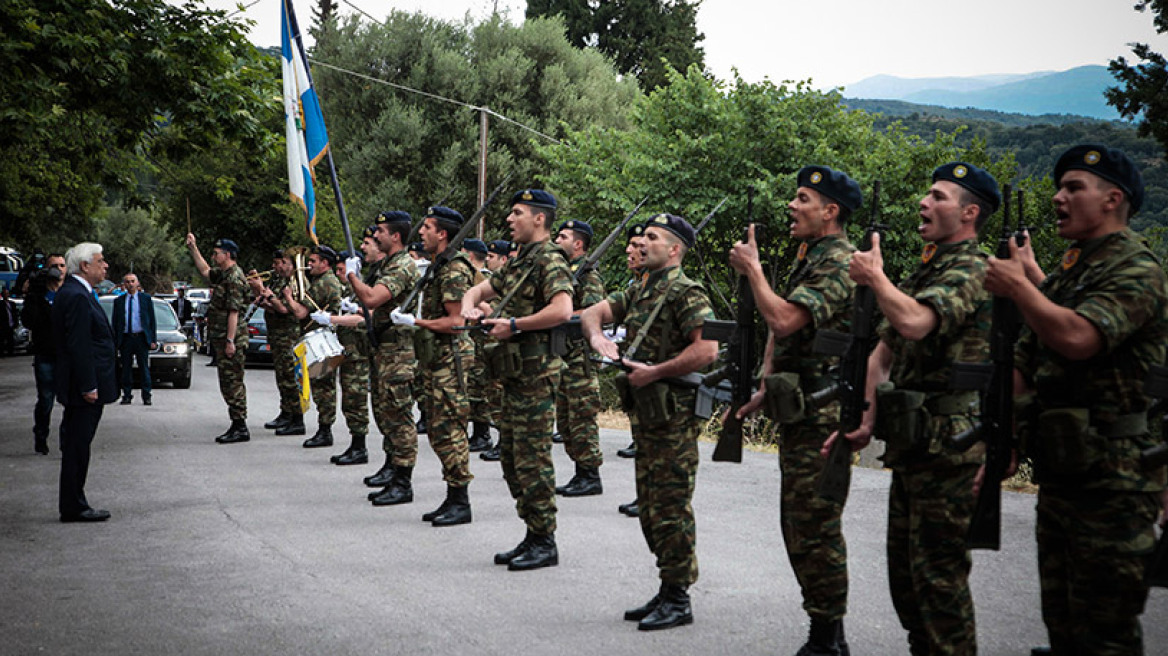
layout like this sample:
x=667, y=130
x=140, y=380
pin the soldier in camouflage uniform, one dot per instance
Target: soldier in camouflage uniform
x=1092, y=330
x=633, y=260
x=663, y=316
x=393, y=359
x=578, y=396
x=417, y=252
x=324, y=295
x=536, y=291
x=443, y=362
x=939, y=315
x=228, y=338
x=478, y=384
x=498, y=252
x=818, y=296
x=283, y=333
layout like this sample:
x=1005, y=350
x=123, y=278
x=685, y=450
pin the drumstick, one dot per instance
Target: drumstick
x=188, y=215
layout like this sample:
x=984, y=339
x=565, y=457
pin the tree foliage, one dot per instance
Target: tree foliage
x=698, y=140
x=1143, y=90
x=642, y=37
x=396, y=149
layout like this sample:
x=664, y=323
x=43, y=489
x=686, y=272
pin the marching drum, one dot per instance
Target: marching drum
x=322, y=351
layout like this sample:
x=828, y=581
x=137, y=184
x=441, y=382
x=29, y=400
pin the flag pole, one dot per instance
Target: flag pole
x=329, y=151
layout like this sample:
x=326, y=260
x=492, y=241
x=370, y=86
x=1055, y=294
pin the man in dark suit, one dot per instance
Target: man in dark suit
x=182, y=307
x=134, y=335
x=84, y=374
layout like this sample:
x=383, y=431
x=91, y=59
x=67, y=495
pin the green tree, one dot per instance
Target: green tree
x=135, y=240
x=641, y=36
x=1143, y=90
x=395, y=149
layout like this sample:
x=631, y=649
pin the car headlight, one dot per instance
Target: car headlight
x=175, y=349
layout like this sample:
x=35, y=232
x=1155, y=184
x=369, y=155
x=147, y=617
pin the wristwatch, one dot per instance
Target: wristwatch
x=514, y=330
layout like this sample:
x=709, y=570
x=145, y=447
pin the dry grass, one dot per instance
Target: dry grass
x=613, y=419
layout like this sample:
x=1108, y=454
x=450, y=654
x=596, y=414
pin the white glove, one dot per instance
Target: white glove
x=353, y=266
x=401, y=318
x=349, y=307
x=321, y=317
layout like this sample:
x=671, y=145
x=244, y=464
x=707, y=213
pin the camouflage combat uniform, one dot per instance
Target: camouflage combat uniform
x=283, y=333
x=229, y=291
x=667, y=448
x=478, y=385
x=525, y=430
x=1084, y=431
x=578, y=395
x=325, y=292
x=443, y=370
x=931, y=502
x=811, y=524
x=354, y=375
x=393, y=363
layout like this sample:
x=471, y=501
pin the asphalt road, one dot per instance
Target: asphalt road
x=266, y=548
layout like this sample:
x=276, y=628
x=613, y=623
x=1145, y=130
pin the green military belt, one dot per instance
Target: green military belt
x=951, y=404
x=1124, y=426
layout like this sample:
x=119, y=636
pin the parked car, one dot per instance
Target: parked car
x=21, y=337
x=198, y=294
x=170, y=360
x=258, y=349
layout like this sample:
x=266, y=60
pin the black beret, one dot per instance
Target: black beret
x=499, y=247
x=535, y=198
x=579, y=226
x=475, y=246
x=228, y=246
x=1108, y=163
x=676, y=225
x=327, y=253
x=975, y=179
x=417, y=247
x=369, y=232
x=635, y=230
x=396, y=216
x=346, y=255
x=445, y=215
x=836, y=185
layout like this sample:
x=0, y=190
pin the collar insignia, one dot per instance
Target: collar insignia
x=1070, y=258
x=928, y=253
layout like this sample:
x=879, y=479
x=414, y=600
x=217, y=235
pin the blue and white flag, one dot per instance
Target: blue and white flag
x=303, y=121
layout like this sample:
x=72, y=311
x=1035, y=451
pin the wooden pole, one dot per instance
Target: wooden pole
x=483, y=121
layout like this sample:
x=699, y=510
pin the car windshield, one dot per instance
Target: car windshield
x=164, y=317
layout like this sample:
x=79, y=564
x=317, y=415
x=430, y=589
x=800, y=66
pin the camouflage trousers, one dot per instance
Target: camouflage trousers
x=1093, y=547
x=478, y=389
x=525, y=446
x=391, y=385
x=577, y=404
x=354, y=376
x=284, y=362
x=812, y=530
x=231, y=375
x=445, y=402
x=666, y=470
x=929, y=513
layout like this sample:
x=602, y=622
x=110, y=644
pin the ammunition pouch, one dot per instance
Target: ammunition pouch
x=517, y=360
x=424, y=347
x=784, y=402
x=1066, y=443
x=558, y=341
x=902, y=420
x=655, y=404
x=624, y=391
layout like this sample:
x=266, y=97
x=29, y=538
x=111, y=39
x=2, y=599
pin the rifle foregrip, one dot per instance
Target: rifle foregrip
x=729, y=446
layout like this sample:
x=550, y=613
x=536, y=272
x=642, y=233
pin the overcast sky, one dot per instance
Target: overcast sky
x=843, y=41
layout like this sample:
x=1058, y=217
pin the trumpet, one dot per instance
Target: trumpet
x=261, y=275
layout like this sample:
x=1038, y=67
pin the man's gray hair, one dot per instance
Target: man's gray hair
x=82, y=252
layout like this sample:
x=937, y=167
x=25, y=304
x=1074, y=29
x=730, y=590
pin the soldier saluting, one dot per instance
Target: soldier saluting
x=1093, y=328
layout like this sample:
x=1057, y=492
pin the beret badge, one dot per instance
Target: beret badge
x=1092, y=157
x=960, y=171
x=816, y=177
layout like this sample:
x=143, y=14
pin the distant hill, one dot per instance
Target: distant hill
x=1075, y=91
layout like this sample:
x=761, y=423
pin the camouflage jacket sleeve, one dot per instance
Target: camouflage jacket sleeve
x=325, y=291
x=591, y=291
x=825, y=290
x=399, y=275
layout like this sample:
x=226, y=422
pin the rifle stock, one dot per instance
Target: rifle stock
x=852, y=349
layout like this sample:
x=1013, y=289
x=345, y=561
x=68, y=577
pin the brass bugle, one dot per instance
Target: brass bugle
x=262, y=275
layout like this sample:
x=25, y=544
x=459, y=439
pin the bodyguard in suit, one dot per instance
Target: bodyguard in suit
x=134, y=335
x=182, y=307
x=84, y=374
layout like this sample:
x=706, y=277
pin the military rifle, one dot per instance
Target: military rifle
x=740, y=359
x=852, y=375
x=452, y=247
x=1156, y=386
x=710, y=390
x=593, y=259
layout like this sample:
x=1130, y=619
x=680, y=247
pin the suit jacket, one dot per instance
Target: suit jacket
x=183, y=308
x=85, y=346
x=145, y=318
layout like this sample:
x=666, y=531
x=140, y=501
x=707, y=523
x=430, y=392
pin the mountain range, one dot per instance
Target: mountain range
x=1076, y=91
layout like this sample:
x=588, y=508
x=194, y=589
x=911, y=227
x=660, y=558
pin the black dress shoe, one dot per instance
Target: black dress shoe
x=491, y=454
x=147, y=401
x=41, y=445
x=672, y=609
x=629, y=451
x=352, y=457
x=126, y=400
x=87, y=515
x=541, y=552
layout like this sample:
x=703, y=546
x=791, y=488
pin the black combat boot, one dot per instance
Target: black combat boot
x=237, y=433
x=541, y=552
x=323, y=437
x=629, y=451
x=279, y=422
x=480, y=438
x=641, y=612
x=420, y=427
x=672, y=609
x=491, y=455
x=399, y=490
x=354, y=455
x=557, y=438
x=457, y=508
x=294, y=425
x=585, y=483
x=823, y=639
x=632, y=509
x=382, y=476
x=505, y=557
